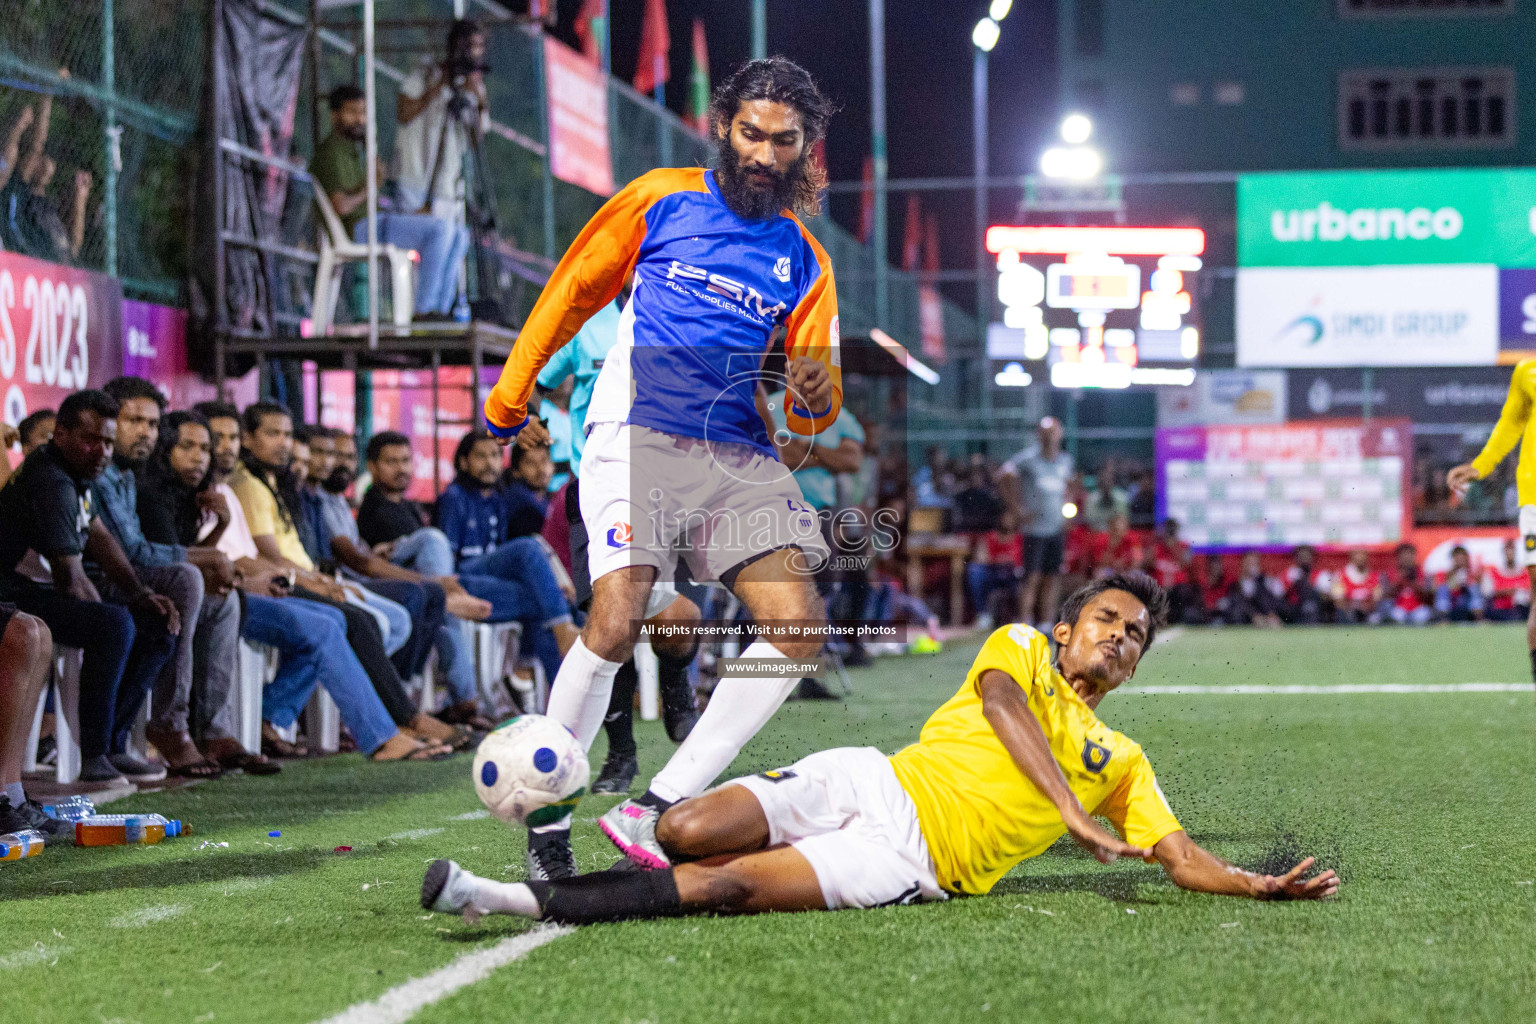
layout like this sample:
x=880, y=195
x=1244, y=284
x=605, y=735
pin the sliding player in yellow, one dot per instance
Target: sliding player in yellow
x=1014, y=759
x=1516, y=426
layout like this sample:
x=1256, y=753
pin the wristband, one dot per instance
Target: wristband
x=504, y=432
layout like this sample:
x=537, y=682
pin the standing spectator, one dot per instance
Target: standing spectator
x=209, y=619
x=338, y=168
x=1507, y=587
x=185, y=501
x=933, y=483
x=1254, y=599
x=10, y=150
x=1357, y=589
x=1307, y=589
x=1408, y=600
x=978, y=506
x=1035, y=486
x=443, y=112
x=1105, y=500
x=1458, y=595
x=48, y=507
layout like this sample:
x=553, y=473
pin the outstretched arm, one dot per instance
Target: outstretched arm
x=1199, y=870
x=1007, y=710
x=1506, y=434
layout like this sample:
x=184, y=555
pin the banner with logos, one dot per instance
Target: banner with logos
x=578, y=119
x=403, y=401
x=1224, y=397
x=60, y=331
x=1471, y=395
x=1333, y=483
x=1374, y=218
x=1368, y=316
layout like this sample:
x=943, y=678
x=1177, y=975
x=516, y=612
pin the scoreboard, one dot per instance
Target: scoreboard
x=1328, y=483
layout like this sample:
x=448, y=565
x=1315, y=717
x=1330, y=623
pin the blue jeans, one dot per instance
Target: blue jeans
x=312, y=640
x=394, y=620
x=515, y=578
x=982, y=580
x=523, y=561
x=441, y=244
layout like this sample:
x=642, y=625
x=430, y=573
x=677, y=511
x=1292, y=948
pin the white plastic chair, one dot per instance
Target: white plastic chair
x=65, y=686
x=255, y=667
x=337, y=250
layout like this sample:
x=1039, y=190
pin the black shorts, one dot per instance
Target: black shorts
x=1043, y=555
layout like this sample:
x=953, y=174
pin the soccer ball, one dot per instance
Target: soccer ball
x=531, y=770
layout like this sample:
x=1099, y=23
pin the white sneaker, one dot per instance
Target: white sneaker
x=632, y=827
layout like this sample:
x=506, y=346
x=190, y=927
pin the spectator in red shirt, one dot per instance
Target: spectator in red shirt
x=1254, y=599
x=1507, y=587
x=995, y=565
x=1085, y=548
x=1458, y=597
x=1213, y=589
x=1357, y=589
x=1122, y=550
x=1167, y=560
x=1408, y=600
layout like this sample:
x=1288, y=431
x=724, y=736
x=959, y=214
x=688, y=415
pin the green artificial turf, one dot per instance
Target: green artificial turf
x=1423, y=802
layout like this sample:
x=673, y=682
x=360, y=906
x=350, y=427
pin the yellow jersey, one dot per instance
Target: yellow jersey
x=978, y=811
x=263, y=516
x=1516, y=426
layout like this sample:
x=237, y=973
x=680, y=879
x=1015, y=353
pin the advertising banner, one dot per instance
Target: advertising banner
x=1333, y=483
x=1372, y=218
x=1368, y=316
x=60, y=331
x=402, y=400
x=578, y=119
x=1224, y=397
x=1470, y=395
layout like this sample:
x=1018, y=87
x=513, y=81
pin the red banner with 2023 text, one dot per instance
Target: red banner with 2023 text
x=60, y=331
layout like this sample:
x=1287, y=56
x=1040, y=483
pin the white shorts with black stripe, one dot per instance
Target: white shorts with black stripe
x=847, y=814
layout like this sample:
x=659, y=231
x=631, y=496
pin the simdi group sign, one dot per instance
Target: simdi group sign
x=1386, y=268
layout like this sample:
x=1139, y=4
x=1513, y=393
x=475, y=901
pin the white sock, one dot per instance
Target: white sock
x=13, y=792
x=579, y=697
x=492, y=897
x=738, y=708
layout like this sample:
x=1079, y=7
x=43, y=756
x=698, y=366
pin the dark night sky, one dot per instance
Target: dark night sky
x=928, y=98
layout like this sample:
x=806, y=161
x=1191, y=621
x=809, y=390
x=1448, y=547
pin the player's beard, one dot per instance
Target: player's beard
x=746, y=198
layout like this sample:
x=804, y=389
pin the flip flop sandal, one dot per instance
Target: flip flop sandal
x=196, y=770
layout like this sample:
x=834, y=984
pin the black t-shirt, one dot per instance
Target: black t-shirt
x=380, y=520
x=168, y=509
x=45, y=509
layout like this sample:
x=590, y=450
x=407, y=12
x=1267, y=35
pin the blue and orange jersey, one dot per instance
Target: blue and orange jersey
x=710, y=289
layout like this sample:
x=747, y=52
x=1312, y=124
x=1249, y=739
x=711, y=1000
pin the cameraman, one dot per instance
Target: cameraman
x=443, y=112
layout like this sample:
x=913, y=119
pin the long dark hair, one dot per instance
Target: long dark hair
x=159, y=474
x=783, y=81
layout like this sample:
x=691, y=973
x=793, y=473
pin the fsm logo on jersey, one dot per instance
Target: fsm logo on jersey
x=1444, y=315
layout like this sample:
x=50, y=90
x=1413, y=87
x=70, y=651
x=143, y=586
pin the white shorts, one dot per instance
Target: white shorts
x=847, y=814
x=1528, y=535
x=648, y=496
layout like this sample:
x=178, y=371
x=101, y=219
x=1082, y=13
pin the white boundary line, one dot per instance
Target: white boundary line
x=403, y=1002
x=1244, y=690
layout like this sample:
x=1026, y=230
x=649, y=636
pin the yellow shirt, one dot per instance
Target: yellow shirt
x=978, y=811
x=1516, y=426
x=262, y=516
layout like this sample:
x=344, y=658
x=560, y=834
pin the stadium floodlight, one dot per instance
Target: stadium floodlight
x=985, y=35
x=1074, y=163
x=1076, y=128
x=999, y=9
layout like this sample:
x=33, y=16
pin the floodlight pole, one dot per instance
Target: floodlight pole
x=371, y=167
x=877, y=119
x=979, y=199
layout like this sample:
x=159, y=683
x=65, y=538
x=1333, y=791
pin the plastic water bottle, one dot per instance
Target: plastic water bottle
x=73, y=809
x=122, y=829
x=461, y=310
x=25, y=843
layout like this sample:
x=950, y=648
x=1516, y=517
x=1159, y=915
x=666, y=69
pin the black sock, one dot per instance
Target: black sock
x=619, y=723
x=608, y=896
x=649, y=799
x=1533, y=664
x=672, y=671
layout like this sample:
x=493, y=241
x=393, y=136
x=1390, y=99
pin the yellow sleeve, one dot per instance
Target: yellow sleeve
x=259, y=507
x=1017, y=650
x=588, y=277
x=813, y=331
x=1137, y=806
x=1511, y=426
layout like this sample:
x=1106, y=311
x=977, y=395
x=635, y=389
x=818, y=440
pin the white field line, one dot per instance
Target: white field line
x=1299, y=689
x=415, y=833
x=38, y=954
x=403, y=1002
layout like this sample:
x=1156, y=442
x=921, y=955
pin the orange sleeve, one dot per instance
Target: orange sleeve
x=813, y=332
x=588, y=277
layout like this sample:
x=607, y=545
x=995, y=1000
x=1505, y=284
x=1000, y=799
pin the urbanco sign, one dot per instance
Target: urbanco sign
x=1372, y=218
